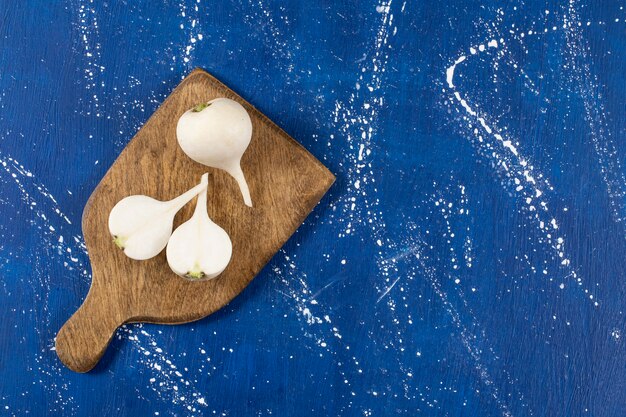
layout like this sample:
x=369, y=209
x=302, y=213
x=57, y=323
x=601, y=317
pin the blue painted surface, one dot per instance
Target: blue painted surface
x=449, y=271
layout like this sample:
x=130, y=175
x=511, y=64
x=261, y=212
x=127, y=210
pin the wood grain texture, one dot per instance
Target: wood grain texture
x=285, y=181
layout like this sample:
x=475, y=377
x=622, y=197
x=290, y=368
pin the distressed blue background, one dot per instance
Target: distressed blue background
x=443, y=275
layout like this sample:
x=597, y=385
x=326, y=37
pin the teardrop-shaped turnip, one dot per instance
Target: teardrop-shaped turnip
x=141, y=225
x=199, y=249
x=217, y=134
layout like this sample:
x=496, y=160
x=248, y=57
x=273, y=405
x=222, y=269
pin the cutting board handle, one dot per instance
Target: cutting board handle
x=82, y=340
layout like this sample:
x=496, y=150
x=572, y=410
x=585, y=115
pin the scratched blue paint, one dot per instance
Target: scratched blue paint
x=423, y=284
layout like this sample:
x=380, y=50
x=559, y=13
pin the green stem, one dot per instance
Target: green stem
x=195, y=273
x=119, y=242
x=200, y=107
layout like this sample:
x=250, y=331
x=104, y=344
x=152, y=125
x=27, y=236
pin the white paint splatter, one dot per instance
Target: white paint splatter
x=529, y=185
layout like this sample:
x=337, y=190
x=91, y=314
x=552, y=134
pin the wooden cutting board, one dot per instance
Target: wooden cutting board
x=285, y=181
